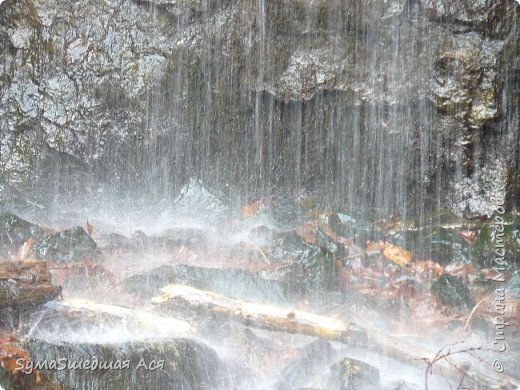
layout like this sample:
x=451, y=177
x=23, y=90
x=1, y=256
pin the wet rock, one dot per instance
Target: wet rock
x=115, y=242
x=165, y=364
x=484, y=16
x=450, y=292
x=351, y=374
x=334, y=221
x=287, y=243
x=483, y=252
x=177, y=237
x=461, y=240
x=170, y=239
x=194, y=196
x=14, y=231
x=328, y=244
x=308, y=267
x=236, y=283
x=471, y=91
x=312, y=269
x=149, y=284
x=310, y=363
x=439, y=244
x=84, y=279
x=475, y=194
x=285, y=212
x=308, y=72
x=74, y=331
x=401, y=385
x=71, y=245
x=31, y=209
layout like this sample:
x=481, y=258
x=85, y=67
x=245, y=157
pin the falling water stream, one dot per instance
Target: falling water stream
x=365, y=115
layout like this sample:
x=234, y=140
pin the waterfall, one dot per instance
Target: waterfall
x=395, y=107
x=327, y=97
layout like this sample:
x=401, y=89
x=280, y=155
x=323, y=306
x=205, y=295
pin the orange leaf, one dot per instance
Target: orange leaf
x=9, y=364
x=90, y=228
x=9, y=354
x=397, y=255
x=252, y=209
x=375, y=246
x=428, y=267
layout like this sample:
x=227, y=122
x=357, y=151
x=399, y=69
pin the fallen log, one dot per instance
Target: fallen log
x=25, y=284
x=186, y=299
x=270, y=317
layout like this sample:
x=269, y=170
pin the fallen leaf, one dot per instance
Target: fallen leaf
x=9, y=354
x=394, y=253
x=397, y=255
x=253, y=208
x=428, y=268
x=90, y=228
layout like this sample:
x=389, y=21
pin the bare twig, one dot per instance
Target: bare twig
x=441, y=355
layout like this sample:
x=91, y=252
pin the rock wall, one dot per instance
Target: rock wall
x=397, y=105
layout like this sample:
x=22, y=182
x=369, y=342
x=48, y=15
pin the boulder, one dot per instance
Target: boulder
x=165, y=364
x=14, y=231
x=234, y=282
x=351, y=374
x=25, y=285
x=313, y=269
x=451, y=293
x=307, y=366
x=71, y=245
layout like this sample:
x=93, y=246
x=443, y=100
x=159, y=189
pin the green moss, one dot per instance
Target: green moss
x=484, y=103
x=451, y=292
x=22, y=13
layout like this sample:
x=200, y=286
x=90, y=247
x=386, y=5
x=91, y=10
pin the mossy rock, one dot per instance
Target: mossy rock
x=159, y=364
x=450, y=292
x=435, y=243
x=313, y=269
x=14, y=231
x=237, y=283
x=351, y=374
x=69, y=245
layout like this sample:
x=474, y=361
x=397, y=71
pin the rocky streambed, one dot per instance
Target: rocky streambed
x=273, y=294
